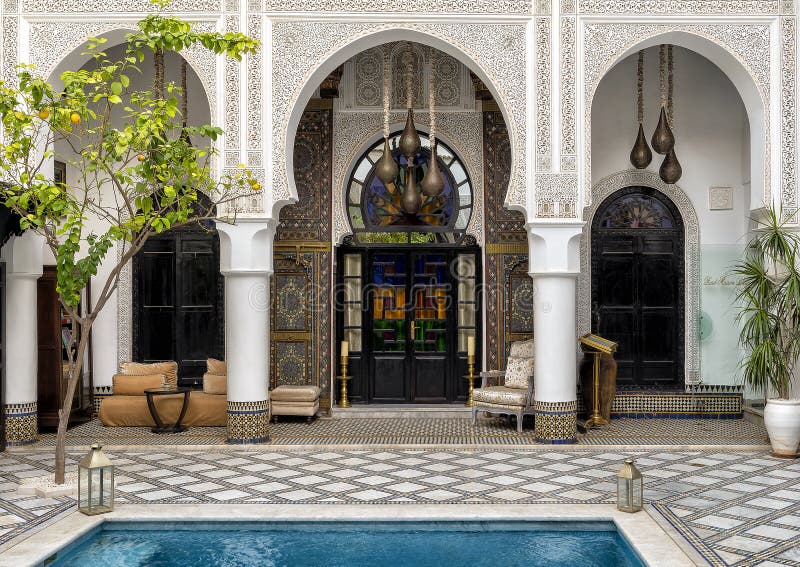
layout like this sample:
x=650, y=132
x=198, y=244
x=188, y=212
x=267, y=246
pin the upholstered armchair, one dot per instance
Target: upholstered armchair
x=508, y=391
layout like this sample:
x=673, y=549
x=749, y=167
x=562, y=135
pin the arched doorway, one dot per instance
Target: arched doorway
x=410, y=283
x=178, y=298
x=638, y=285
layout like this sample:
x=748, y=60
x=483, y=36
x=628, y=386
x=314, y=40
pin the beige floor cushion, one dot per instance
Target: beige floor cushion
x=126, y=411
x=169, y=369
x=295, y=394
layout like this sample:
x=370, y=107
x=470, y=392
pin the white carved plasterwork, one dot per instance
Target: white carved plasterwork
x=788, y=117
x=600, y=192
x=403, y=55
x=556, y=195
x=255, y=90
x=568, y=88
x=605, y=43
x=10, y=40
x=543, y=107
x=679, y=7
x=232, y=101
x=361, y=87
x=518, y=7
x=497, y=49
x=51, y=42
x=353, y=131
x=115, y=6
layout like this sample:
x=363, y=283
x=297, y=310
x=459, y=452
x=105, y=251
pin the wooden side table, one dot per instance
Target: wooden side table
x=160, y=427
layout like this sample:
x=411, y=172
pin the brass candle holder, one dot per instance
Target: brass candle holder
x=343, y=401
x=470, y=377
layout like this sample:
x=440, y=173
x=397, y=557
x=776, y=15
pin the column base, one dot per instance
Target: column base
x=556, y=423
x=22, y=424
x=248, y=422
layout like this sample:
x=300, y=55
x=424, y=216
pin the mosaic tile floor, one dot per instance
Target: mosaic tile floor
x=734, y=508
x=435, y=431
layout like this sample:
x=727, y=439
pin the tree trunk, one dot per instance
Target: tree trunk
x=75, y=378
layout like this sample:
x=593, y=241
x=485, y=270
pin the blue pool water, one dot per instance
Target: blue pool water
x=348, y=544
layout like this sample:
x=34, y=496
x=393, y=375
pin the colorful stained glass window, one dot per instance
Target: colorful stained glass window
x=375, y=211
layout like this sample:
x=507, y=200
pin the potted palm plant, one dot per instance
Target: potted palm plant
x=769, y=303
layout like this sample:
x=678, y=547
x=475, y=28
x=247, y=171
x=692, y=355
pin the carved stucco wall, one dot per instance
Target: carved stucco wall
x=353, y=131
x=633, y=177
x=499, y=50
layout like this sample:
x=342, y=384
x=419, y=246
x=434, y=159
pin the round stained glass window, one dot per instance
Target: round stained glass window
x=375, y=211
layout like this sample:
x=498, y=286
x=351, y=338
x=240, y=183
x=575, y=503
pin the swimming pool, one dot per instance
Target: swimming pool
x=345, y=544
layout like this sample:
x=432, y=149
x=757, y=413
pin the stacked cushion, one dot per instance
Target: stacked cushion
x=215, y=381
x=168, y=369
x=125, y=385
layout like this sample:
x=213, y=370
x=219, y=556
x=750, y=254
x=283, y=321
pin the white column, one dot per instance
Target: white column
x=246, y=263
x=554, y=266
x=23, y=258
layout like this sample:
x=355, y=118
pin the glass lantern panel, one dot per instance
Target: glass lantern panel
x=623, y=496
x=83, y=487
x=636, y=496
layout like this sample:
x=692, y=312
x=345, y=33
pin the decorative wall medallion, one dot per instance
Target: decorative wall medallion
x=633, y=177
x=304, y=46
x=720, y=198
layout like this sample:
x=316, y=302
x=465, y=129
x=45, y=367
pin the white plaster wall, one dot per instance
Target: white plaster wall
x=712, y=144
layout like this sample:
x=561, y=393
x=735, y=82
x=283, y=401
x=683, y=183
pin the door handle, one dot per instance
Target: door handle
x=413, y=330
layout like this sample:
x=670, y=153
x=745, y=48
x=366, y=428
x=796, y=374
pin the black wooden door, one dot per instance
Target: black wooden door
x=2, y=355
x=178, y=305
x=416, y=324
x=638, y=285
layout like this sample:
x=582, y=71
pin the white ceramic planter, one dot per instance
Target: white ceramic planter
x=782, y=420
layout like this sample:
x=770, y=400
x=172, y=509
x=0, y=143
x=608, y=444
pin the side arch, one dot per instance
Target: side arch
x=742, y=51
x=603, y=189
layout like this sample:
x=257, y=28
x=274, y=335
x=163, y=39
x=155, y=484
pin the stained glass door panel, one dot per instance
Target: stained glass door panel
x=432, y=299
x=390, y=321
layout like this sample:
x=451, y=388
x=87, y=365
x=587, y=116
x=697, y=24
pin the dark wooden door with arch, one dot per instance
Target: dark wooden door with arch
x=638, y=285
x=178, y=301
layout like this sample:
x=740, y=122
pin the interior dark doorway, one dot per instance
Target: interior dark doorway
x=638, y=283
x=407, y=313
x=178, y=301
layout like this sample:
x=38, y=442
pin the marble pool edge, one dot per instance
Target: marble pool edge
x=654, y=545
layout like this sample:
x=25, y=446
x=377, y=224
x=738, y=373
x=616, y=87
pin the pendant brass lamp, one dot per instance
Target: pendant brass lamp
x=663, y=140
x=410, y=143
x=670, y=170
x=641, y=156
x=386, y=169
x=433, y=183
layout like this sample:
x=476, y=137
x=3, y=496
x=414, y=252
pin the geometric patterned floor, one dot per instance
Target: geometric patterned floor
x=733, y=507
x=435, y=431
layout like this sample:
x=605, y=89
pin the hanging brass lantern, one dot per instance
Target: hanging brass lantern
x=411, y=198
x=641, y=156
x=409, y=142
x=670, y=170
x=663, y=140
x=386, y=169
x=432, y=184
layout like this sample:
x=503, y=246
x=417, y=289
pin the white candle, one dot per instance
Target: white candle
x=470, y=346
x=345, y=348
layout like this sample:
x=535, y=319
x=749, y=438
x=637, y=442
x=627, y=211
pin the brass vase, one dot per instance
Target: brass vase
x=411, y=198
x=386, y=169
x=670, y=170
x=409, y=142
x=641, y=156
x=662, y=140
x=432, y=184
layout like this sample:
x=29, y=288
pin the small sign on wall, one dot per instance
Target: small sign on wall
x=720, y=198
